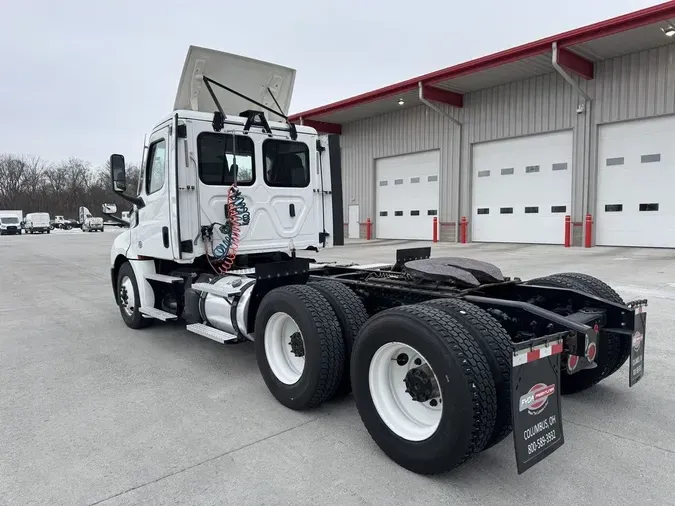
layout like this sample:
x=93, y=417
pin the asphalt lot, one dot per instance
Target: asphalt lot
x=92, y=412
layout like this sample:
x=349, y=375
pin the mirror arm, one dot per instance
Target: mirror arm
x=115, y=218
x=138, y=201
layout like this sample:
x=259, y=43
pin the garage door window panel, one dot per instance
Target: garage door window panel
x=650, y=158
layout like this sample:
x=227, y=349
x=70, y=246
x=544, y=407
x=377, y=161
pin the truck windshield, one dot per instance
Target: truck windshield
x=9, y=220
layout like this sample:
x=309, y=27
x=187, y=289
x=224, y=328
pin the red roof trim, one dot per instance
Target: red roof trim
x=611, y=26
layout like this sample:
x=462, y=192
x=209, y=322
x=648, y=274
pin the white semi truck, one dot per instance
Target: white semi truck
x=10, y=222
x=88, y=222
x=445, y=356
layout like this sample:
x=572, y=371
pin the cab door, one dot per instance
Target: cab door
x=289, y=182
x=152, y=235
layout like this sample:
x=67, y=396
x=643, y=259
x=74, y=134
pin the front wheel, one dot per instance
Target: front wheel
x=128, y=298
x=423, y=388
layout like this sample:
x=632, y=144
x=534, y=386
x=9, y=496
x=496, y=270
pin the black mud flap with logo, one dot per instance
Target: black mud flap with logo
x=637, y=349
x=535, y=393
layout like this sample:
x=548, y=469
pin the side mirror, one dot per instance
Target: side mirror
x=118, y=173
x=109, y=208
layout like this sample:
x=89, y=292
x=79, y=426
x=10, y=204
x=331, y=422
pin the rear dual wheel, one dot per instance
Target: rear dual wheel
x=423, y=388
x=304, y=336
x=613, y=351
x=299, y=346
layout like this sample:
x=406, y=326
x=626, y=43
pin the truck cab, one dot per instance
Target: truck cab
x=190, y=162
x=89, y=223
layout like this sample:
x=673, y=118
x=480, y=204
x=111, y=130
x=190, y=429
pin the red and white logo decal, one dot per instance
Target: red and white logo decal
x=536, y=399
x=638, y=338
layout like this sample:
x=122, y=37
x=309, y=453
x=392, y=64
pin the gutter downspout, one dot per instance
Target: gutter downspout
x=440, y=111
x=583, y=107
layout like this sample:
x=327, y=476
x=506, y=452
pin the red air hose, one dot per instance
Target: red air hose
x=237, y=215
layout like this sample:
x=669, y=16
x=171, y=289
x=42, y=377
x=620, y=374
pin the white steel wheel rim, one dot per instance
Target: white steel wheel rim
x=127, y=290
x=408, y=419
x=284, y=363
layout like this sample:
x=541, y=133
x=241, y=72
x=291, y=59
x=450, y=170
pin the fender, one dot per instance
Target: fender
x=121, y=248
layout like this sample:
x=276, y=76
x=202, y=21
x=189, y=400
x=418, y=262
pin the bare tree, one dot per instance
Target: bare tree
x=33, y=185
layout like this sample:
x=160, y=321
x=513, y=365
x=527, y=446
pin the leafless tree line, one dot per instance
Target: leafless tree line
x=32, y=184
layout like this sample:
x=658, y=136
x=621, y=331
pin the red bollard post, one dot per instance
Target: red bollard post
x=434, y=234
x=369, y=226
x=588, y=227
x=568, y=231
x=462, y=230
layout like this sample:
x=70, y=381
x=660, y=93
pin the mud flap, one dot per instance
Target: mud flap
x=637, y=349
x=535, y=393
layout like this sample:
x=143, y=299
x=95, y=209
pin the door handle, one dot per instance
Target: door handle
x=165, y=236
x=291, y=210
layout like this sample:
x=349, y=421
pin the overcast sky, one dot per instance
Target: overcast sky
x=85, y=78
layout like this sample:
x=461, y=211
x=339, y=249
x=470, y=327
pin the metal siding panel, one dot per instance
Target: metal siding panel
x=407, y=131
x=636, y=86
x=670, y=80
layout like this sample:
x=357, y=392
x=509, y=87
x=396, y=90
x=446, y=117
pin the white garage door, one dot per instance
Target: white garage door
x=522, y=189
x=406, y=195
x=636, y=184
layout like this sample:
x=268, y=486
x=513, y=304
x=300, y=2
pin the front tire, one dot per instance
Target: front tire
x=299, y=346
x=128, y=298
x=423, y=388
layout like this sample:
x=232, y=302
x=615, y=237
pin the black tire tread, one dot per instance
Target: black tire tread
x=349, y=307
x=582, y=380
x=498, y=344
x=476, y=371
x=138, y=322
x=601, y=289
x=330, y=337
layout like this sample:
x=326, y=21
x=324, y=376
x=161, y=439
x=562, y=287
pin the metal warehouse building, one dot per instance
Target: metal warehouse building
x=575, y=124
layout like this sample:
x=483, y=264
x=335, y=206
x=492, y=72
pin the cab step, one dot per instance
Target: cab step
x=163, y=278
x=158, y=314
x=223, y=291
x=210, y=332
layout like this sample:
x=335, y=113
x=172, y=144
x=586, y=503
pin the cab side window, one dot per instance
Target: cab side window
x=156, y=167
